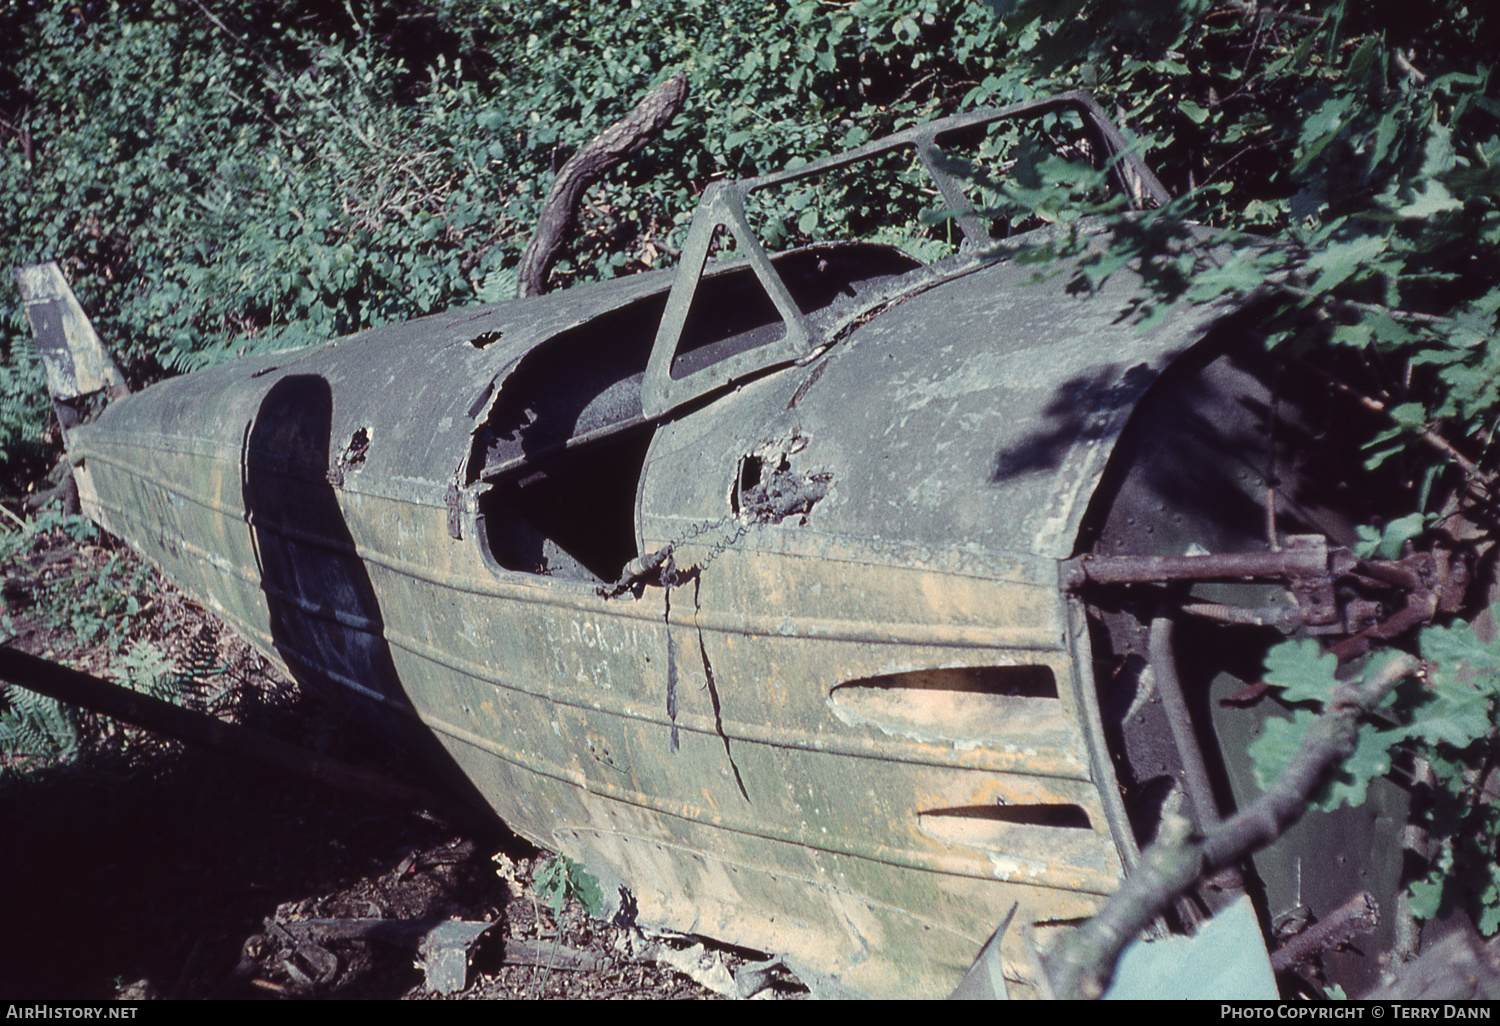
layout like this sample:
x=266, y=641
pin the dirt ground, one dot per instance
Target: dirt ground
x=144, y=869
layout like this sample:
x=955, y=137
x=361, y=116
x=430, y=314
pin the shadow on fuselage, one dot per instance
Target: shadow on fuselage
x=325, y=618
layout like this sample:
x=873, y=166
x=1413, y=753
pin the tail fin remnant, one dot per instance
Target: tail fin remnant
x=76, y=362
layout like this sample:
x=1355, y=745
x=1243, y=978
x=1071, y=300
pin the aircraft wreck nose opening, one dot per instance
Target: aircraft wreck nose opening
x=840, y=603
x=565, y=442
x=1248, y=468
x=571, y=516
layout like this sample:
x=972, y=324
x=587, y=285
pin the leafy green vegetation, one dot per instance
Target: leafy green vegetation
x=59, y=581
x=1365, y=146
x=1447, y=722
x=1364, y=138
x=94, y=600
x=560, y=878
x=269, y=174
x=35, y=727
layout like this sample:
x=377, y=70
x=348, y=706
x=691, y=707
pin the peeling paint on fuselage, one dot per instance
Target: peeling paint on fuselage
x=781, y=819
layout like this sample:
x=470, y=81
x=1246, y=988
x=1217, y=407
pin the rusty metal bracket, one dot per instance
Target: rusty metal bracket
x=321, y=962
x=454, y=501
x=1360, y=914
x=1433, y=582
x=1305, y=557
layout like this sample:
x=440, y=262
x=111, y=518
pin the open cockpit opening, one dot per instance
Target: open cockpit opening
x=565, y=442
x=571, y=516
x=562, y=450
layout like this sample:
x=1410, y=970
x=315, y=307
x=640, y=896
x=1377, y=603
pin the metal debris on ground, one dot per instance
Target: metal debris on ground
x=444, y=954
x=699, y=965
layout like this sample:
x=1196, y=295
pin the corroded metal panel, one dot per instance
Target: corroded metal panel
x=784, y=650
x=73, y=358
x=787, y=773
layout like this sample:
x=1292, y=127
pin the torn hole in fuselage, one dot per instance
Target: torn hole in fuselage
x=774, y=483
x=354, y=454
x=780, y=492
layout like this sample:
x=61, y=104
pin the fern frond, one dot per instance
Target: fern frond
x=37, y=725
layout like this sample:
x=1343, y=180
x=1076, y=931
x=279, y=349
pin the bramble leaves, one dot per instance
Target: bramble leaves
x=1386, y=542
x=214, y=188
x=1370, y=760
x=1453, y=714
x=93, y=600
x=1458, y=649
x=1463, y=680
x=1368, y=155
x=1280, y=741
x=1277, y=745
x=1426, y=898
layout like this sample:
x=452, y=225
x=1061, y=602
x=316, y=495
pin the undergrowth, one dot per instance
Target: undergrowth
x=1367, y=145
x=262, y=175
x=560, y=878
x=71, y=593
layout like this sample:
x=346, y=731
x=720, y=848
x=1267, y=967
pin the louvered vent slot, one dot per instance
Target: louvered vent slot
x=1000, y=826
x=1004, y=703
x=1053, y=843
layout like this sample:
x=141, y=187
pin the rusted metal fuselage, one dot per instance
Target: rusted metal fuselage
x=855, y=733
x=744, y=585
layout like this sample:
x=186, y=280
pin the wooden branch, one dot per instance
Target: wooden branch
x=1360, y=914
x=1404, y=63
x=586, y=167
x=20, y=669
x=1426, y=433
x=1082, y=963
x=1254, y=10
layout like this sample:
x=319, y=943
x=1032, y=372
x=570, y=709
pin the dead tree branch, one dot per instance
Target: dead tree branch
x=586, y=167
x=1082, y=963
